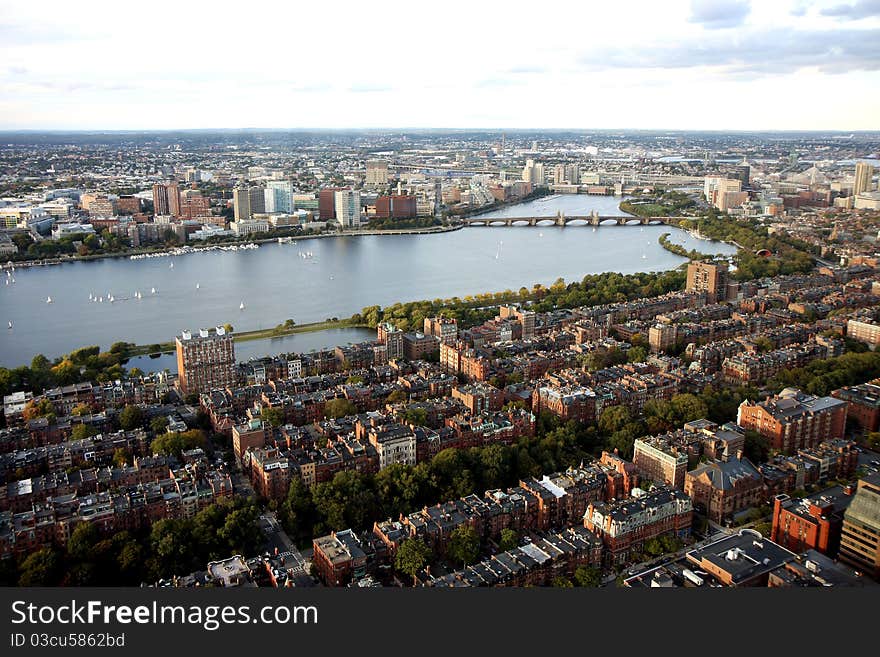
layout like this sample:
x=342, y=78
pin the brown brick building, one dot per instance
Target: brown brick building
x=724, y=488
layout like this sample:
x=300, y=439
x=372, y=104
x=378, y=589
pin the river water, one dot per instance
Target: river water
x=343, y=275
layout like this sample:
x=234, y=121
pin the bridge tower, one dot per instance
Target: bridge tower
x=560, y=218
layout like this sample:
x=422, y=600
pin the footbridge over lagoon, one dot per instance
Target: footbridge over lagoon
x=561, y=219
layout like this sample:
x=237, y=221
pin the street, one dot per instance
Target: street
x=278, y=541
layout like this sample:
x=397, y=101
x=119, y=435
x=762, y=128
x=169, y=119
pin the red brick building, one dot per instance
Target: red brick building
x=811, y=523
x=724, y=488
x=568, y=403
x=863, y=404
x=396, y=206
x=479, y=397
x=793, y=420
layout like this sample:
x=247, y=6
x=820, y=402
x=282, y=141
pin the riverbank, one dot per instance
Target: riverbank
x=43, y=262
x=280, y=331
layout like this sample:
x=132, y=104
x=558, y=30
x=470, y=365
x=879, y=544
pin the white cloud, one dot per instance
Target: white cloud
x=676, y=64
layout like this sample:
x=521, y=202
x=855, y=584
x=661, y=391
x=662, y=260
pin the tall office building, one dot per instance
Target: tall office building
x=860, y=538
x=327, y=203
x=279, y=196
x=716, y=188
x=566, y=173
x=205, y=361
x=348, y=207
x=709, y=278
x=533, y=172
x=377, y=172
x=248, y=201
x=166, y=199
x=863, y=180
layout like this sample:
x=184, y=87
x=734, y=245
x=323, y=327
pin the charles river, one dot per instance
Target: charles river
x=343, y=275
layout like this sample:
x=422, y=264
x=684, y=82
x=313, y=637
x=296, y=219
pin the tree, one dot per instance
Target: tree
x=339, y=407
x=81, y=409
x=689, y=407
x=131, y=417
x=297, y=511
x=121, y=457
x=588, y=577
x=464, y=545
x=37, y=408
x=83, y=431
x=274, y=416
x=509, y=539
x=349, y=500
x=614, y=418
x=158, y=424
x=81, y=543
x=415, y=416
x=396, y=397
x=412, y=556
x=562, y=582
x=241, y=532
x=757, y=446
x=177, y=443
x=637, y=354
x=41, y=568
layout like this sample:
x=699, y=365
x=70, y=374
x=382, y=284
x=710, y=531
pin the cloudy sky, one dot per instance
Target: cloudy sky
x=675, y=64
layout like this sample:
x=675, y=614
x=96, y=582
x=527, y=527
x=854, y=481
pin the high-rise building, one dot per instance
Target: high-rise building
x=377, y=172
x=566, y=173
x=392, y=338
x=715, y=187
x=193, y=205
x=166, y=199
x=533, y=172
x=279, y=196
x=860, y=538
x=709, y=278
x=128, y=204
x=205, y=361
x=863, y=180
x=348, y=207
x=248, y=201
x=396, y=206
x=327, y=203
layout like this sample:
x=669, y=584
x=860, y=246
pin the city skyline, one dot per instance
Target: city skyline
x=735, y=65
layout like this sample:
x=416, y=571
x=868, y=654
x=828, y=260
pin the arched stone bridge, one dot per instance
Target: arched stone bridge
x=563, y=220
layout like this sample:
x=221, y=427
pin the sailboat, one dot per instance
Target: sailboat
x=110, y=298
x=241, y=307
x=10, y=324
x=100, y=299
x=48, y=299
x=152, y=290
x=498, y=255
x=197, y=286
x=90, y=296
x=171, y=266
